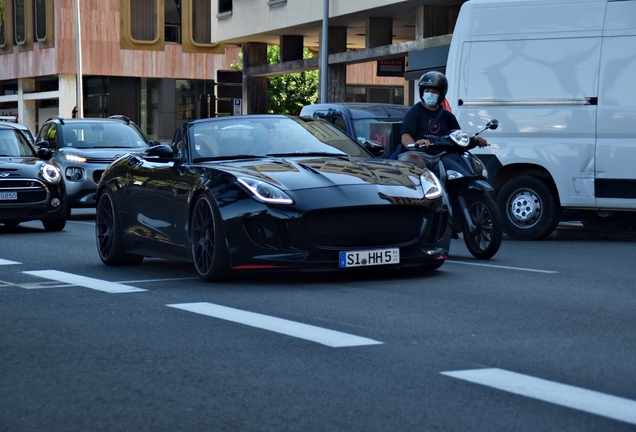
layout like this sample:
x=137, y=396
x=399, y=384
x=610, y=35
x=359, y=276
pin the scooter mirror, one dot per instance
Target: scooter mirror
x=493, y=124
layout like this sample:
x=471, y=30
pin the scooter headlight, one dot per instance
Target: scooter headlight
x=431, y=185
x=453, y=175
x=460, y=138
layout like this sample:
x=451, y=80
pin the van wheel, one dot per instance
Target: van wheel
x=529, y=208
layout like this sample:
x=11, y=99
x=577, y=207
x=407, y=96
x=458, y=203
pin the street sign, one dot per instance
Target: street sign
x=237, y=107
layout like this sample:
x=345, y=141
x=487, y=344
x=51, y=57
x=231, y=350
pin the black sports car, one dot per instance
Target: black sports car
x=31, y=188
x=269, y=192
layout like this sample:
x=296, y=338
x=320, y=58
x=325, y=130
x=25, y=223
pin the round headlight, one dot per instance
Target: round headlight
x=51, y=173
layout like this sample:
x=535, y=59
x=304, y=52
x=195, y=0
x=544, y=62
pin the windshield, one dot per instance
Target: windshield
x=86, y=134
x=269, y=136
x=14, y=144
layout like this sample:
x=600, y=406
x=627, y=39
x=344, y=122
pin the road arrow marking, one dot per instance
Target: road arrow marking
x=86, y=282
x=577, y=398
x=290, y=328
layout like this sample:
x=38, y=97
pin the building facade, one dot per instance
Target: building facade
x=151, y=60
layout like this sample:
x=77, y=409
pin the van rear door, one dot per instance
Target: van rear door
x=615, y=169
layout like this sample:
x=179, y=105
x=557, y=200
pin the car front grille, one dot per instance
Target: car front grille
x=365, y=227
x=29, y=191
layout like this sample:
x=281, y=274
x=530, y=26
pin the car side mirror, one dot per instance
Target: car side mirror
x=43, y=144
x=160, y=153
x=374, y=147
x=44, y=153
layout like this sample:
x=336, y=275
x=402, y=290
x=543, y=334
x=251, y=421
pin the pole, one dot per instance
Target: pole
x=324, y=53
x=78, y=34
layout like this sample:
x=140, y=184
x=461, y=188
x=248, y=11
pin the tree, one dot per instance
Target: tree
x=287, y=94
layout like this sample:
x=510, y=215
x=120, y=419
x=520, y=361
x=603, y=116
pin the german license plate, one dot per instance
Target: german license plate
x=369, y=257
x=6, y=196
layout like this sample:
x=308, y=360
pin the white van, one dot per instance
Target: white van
x=560, y=76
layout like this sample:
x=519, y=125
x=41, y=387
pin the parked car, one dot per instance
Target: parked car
x=12, y=120
x=269, y=193
x=30, y=187
x=84, y=147
x=365, y=122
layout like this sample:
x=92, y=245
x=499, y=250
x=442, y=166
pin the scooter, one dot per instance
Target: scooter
x=475, y=212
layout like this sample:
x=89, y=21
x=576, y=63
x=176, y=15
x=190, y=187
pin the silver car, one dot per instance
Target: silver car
x=83, y=148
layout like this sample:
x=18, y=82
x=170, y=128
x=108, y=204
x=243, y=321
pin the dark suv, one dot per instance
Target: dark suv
x=364, y=122
x=83, y=148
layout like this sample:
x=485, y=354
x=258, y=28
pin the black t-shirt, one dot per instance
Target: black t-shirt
x=417, y=120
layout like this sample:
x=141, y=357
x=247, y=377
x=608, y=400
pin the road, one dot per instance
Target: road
x=539, y=338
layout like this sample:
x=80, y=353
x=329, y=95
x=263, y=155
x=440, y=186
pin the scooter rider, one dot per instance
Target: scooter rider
x=427, y=119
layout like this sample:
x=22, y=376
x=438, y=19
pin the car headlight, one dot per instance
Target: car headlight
x=51, y=173
x=75, y=158
x=431, y=185
x=265, y=192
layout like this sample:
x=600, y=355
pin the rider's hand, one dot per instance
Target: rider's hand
x=481, y=142
x=422, y=144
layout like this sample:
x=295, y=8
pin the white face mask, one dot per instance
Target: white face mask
x=430, y=99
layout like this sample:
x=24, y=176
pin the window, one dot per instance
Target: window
x=19, y=21
x=172, y=32
x=225, y=7
x=201, y=20
x=40, y=20
x=3, y=28
x=143, y=24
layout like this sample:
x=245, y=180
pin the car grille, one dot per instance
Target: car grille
x=29, y=191
x=365, y=227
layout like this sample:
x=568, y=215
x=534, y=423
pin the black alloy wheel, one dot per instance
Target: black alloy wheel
x=209, y=252
x=110, y=242
x=485, y=240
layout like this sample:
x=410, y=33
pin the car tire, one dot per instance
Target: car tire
x=486, y=240
x=108, y=235
x=54, y=224
x=529, y=208
x=207, y=241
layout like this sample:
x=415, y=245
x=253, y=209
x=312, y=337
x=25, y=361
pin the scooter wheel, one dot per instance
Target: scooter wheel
x=484, y=241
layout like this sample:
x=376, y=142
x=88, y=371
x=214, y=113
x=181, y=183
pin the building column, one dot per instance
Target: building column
x=27, y=109
x=337, y=74
x=254, y=88
x=67, y=85
x=379, y=32
x=291, y=48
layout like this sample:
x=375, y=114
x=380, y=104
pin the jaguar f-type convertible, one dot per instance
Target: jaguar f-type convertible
x=270, y=193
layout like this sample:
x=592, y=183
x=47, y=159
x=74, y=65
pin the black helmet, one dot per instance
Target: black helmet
x=436, y=80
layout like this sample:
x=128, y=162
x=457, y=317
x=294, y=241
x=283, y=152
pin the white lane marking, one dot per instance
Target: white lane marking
x=96, y=284
x=158, y=280
x=578, y=398
x=502, y=267
x=320, y=335
x=7, y=262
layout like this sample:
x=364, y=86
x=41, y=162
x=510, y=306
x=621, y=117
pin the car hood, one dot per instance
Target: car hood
x=318, y=172
x=99, y=153
x=20, y=167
